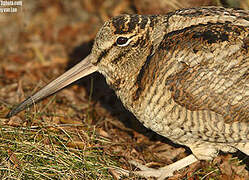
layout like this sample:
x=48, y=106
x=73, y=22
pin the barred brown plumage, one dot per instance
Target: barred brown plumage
x=184, y=75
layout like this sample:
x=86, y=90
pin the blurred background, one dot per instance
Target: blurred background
x=82, y=132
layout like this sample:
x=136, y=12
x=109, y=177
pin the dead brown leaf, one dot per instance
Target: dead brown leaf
x=163, y=7
x=15, y=121
x=103, y=133
x=226, y=168
x=77, y=144
x=13, y=159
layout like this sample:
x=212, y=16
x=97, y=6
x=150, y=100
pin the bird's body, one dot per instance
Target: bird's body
x=192, y=84
x=185, y=75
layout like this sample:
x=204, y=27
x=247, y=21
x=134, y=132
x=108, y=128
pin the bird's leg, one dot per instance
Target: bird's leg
x=206, y=151
x=166, y=171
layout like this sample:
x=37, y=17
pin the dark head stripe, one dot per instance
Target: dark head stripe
x=119, y=24
x=127, y=24
x=143, y=22
x=102, y=55
x=134, y=19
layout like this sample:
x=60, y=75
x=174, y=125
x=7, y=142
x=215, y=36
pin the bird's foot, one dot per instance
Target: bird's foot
x=146, y=172
x=163, y=172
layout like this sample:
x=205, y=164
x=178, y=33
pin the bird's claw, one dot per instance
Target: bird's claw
x=146, y=172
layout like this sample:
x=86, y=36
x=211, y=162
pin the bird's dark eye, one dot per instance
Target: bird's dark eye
x=122, y=41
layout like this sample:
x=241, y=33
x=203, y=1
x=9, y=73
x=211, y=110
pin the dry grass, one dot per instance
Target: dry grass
x=52, y=153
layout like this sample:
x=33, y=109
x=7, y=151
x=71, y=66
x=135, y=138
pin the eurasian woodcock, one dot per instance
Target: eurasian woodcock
x=185, y=75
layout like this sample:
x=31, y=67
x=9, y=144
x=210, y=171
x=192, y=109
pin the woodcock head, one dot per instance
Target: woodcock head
x=120, y=49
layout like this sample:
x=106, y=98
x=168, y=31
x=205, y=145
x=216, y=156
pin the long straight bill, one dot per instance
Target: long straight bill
x=84, y=68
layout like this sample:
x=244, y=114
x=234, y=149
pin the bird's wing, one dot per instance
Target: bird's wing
x=213, y=69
